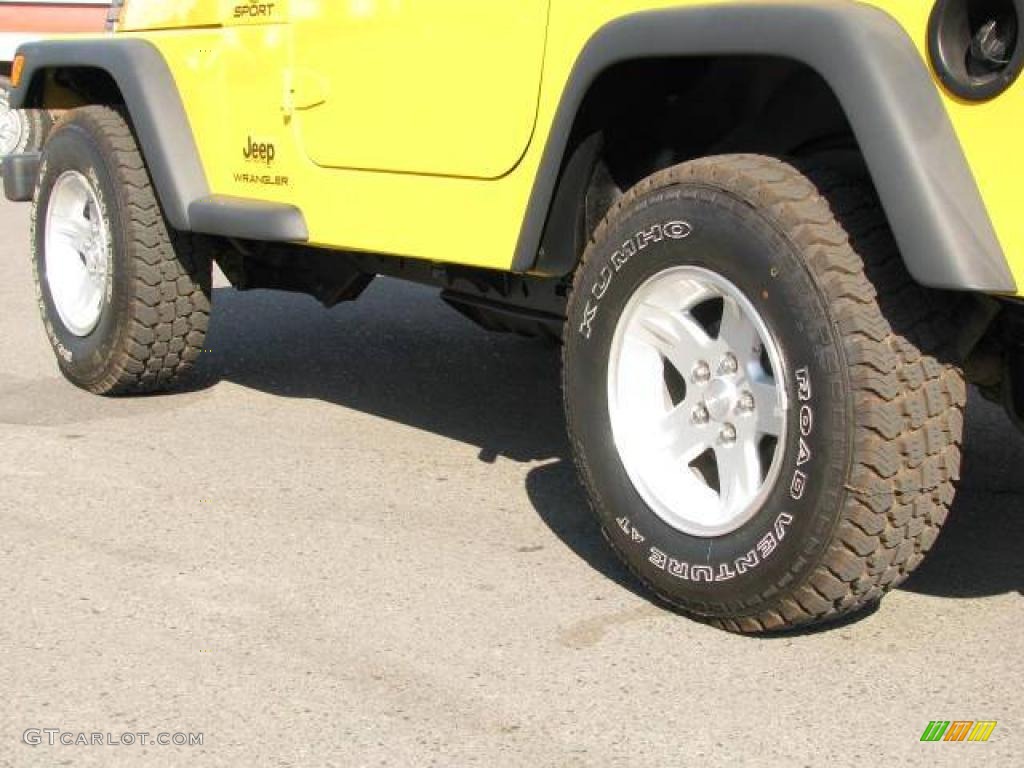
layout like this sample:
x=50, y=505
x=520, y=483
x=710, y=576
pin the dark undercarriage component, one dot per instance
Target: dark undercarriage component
x=1013, y=368
x=995, y=364
x=496, y=301
x=328, y=277
x=505, y=318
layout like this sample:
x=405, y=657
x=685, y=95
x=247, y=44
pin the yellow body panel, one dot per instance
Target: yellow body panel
x=989, y=133
x=164, y=15
x=428, y=162
x=182, y=14
x=420, y=65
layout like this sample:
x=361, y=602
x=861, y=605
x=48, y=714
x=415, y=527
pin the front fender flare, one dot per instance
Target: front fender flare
x=165, y=136
x=152, y=100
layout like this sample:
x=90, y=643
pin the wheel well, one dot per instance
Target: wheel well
x=70, y=87
x=641, y=117
x=128, y=72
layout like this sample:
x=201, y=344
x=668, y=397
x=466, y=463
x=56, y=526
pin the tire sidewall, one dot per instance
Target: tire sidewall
x=710, y=228
x=86, y=359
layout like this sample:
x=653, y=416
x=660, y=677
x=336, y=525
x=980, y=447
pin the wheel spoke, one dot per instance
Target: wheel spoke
x=767, y=408
x=739, y=473
x=684, y=295
x=738, y=333
x=75, y=229
x=678, y=435
x=676, y=335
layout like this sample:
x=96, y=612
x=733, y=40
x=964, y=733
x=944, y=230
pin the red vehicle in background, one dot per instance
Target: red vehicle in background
x=21, y=22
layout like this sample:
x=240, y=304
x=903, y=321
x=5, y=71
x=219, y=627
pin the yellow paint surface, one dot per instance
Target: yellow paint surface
x=417, y=127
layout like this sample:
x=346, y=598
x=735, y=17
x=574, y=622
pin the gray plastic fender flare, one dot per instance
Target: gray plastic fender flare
x=915, y=159
x=165, y=136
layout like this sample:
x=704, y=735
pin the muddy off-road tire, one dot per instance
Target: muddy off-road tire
x=21, y=130
x=125, y=300
x=758, y=395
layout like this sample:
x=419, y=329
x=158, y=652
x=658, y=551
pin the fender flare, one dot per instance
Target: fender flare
x=165, y=137
x=914, y=157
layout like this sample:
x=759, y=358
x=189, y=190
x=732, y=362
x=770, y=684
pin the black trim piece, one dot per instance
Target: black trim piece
x=504, y=317
x=153, y=102
x=248, y=219
x=915, y=159
x=566, y=234
x=20, y=173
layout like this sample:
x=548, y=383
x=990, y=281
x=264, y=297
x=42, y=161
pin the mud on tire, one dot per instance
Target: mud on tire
x=872, y=449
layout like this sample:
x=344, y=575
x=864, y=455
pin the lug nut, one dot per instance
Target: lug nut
x=745, y=403
x=729, y=365
x=702, y=373
x=728, y=434
x=701, y=414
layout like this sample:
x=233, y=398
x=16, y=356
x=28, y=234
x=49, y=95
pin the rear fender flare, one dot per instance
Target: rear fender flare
x=915, y=159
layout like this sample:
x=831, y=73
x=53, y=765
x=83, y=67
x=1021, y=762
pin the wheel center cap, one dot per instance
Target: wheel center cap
x=720, y=399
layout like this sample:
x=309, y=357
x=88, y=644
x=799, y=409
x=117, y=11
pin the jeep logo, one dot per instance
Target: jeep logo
x=263, y=152
x=254, y=10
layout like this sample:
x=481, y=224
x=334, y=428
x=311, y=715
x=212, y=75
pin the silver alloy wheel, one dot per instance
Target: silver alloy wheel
x=77, y=253
x=13, y=127
x=697, y=400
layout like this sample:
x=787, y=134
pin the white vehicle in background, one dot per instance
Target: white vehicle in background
x=22, y=22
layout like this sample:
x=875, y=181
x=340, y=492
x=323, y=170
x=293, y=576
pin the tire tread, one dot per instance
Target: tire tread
x=908, y=399
x=171, y=271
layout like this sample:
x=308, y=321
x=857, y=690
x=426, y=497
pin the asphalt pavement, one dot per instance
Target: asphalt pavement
x=357, y=540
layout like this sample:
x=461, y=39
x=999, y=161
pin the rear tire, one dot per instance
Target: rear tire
x=859, y=480
x=21, y=130
x=125, y=300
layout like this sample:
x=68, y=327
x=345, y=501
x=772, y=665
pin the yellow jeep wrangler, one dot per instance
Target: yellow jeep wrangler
x=775, y=239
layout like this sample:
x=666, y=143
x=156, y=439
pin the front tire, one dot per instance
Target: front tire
x=125, y=300
x=757, y=396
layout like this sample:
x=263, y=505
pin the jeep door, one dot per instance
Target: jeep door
x=436, y=87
